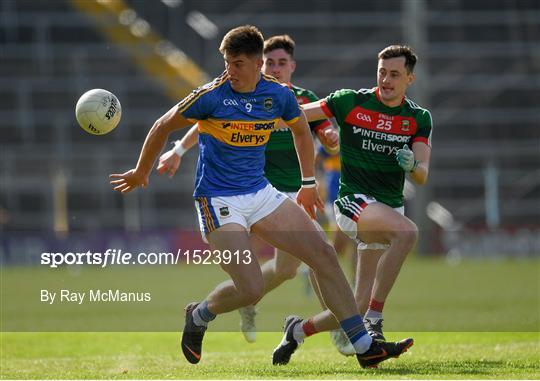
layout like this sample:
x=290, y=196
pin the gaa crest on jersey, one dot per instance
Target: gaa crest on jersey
x=224, y=211
x=268, y=104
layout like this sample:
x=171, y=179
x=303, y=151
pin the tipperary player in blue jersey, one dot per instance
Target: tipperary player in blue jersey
x=281, y=167
x=236, y=113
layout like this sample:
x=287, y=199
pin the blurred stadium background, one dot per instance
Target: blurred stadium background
x=479, y=74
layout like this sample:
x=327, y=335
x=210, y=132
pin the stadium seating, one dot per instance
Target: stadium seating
x=479, y=76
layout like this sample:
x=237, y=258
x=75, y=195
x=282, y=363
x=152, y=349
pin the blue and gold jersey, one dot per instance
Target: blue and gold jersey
x=233, y=131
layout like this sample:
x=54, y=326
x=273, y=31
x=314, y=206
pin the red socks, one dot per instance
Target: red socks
x=309, y=328
x=375, y=305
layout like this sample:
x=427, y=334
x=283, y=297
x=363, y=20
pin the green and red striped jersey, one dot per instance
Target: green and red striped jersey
x=370, y=134
x=282, y=168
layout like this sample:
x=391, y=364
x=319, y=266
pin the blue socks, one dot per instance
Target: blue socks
x=202, y=315
x=356, y=332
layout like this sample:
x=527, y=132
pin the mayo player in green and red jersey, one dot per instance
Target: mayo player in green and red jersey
x=282, y=168
x=384, y=136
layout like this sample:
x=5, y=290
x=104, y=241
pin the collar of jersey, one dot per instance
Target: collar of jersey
x=391, y=108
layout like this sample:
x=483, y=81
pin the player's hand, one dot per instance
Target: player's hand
x=127, y=181
x=169, y=163
x=328, y=137
x=309, y=199
x=405, y=158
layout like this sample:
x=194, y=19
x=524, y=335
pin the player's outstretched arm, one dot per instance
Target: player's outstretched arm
x=314, y=111
x=171, y=160
x=308, y=195
x=153, y=144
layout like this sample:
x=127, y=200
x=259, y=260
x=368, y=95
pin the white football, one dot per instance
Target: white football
x=98, y=111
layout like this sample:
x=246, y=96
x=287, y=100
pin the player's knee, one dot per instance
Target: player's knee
x=285, y=273
x=411, y=234
x=407, y=234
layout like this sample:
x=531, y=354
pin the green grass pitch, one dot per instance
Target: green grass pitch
x=447, y=355
x=474, y=320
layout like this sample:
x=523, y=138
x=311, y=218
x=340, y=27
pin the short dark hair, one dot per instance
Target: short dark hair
x=245, y=39
x=394, y=51
x=283, y=41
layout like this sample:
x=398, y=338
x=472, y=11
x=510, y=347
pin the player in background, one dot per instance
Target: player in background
x=235, y=114
x=282, y=168
x=384, y=136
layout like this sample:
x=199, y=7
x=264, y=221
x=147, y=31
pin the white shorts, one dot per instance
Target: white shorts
x=291, y=195
x=244, y=210
x=348, y=209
